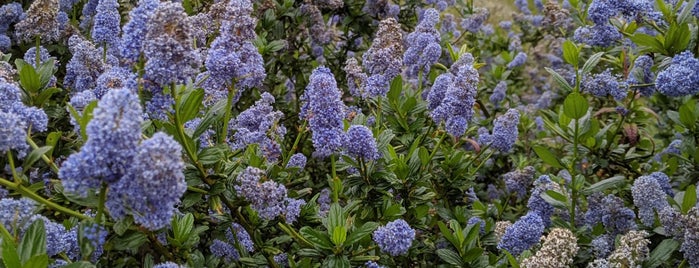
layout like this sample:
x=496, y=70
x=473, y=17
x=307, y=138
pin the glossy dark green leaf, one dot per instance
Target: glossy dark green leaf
x=450, y=257
x=318, y=239
x=661, y=253
x=360, y=233
x=34, y=156
x=33, y=241
x=690, y=198
x=547, y=156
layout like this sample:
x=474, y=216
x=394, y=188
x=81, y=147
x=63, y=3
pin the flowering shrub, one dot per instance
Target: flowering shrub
x=326, y=133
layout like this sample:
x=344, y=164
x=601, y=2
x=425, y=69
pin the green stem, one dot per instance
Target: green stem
x=296, y=143
x=379, y=112
x=46, y=159
x=102, y=200
x=196, y=190
x=38, y=51
x=573, y=183
x=11, y=160
x=436, y=146
x=24, y=191
x=227, y=115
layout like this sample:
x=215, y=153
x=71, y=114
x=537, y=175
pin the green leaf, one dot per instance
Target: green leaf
x=37, y=261
x=396, y=88
x=339, y=235
x=10, y=257
x=677, y=38
x=686, y=14
x=592, y=62
x=28, y=77
x=34, y=156
x=315, y=237
x=335, y=218
x=46, y=95
x=45, y=72
x=575, y=106
x=129, y=241
x=182, y=227
x=211, y=155
x=336, y=262
x=547, y=156
x=448, y=234
x=33, y=242
x=450, y=257
x=554, y=198
x=571, y=53
x=472, y=254
x=190, y=104
x=687, y=116
x=662, y=253
x=605, y=184
x=121, y=226
x=559, y=79
x=690, y=198
x=276, y=45
x=360, y=233
x=214, y=114
x=648, y=41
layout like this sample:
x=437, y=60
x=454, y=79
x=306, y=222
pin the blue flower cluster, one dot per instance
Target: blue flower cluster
x=356, y=78
x=115, y=78
x=259, y=124
x=423, y=45
x=603, y=35
x=477, y=220
x=641, y=73
x=152, y=186
x=114, y=133
x=105, y=28
x=324, y=202
x=681, y=77
x=523, y=234
x=131, y=45
x=611, y=212
x=395, y=238
x=519, y=60
x=268, y=198
x=232, y=57
x=85, y=66
x=499, y=93
x=674, y=148
x=690, y=244
x=169, y=265
x=473, y=22
x=518, y=181
x=383, y=59
x=10, y=13
x=649, y=196
x=452, y=96
x=298, y=160
x=537, y=204
x=603, y=84
x=235, y=235
x=16, y=119
x=14, y=211
x=324, y=110
x=504, y=133
x=168, y=47
x=360, y=143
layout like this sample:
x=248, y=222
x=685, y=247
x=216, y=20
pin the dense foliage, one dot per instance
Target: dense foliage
x=355, y=133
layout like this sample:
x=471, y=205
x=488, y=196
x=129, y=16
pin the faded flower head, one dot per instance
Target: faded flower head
x=632, y=250
x=383, y=60
x=558, y=250
x=40, y=20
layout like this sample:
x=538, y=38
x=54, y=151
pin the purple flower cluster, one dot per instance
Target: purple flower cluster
x=477, y=220
x=603, y=84
x=115, y=78
x=681, y=77
x=324, y=110
x=423, y=45
x=395, y=238
x=603, y=35
x=674, y=148
x=13, y=211
x=168, y=49
x=131, y=45
x=232, y=58
x=168, y=264
x=152, y=186
x=383, y=59
x=523, y=234
x=360, y=143
x=452, y=96
x=259, y=125
x=324, y=202
x=649, y=196
x=381, y=9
